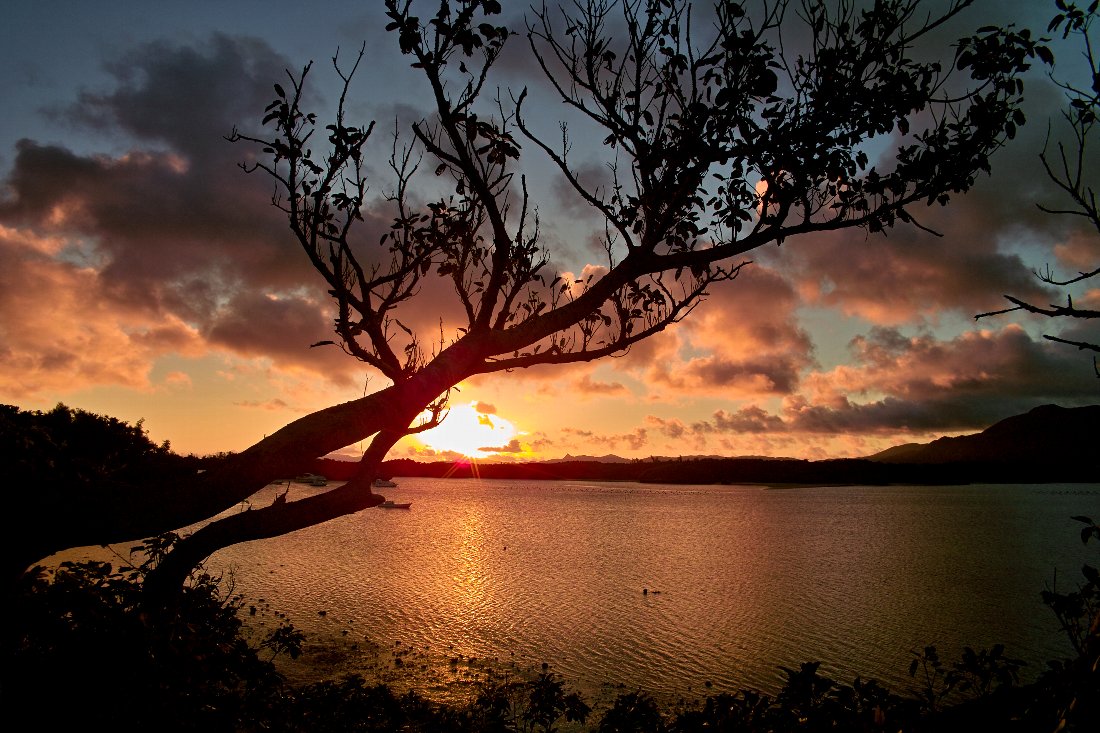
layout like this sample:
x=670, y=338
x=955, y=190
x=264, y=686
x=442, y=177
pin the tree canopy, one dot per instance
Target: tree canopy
x=722, y=130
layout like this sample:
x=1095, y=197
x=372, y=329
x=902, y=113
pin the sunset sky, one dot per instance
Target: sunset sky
x=144, y=275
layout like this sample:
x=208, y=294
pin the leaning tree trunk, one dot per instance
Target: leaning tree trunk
x=404, y=401
x=116, y=512
x=163, y=583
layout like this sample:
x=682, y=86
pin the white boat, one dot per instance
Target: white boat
x=382, y=483
x=389, y=504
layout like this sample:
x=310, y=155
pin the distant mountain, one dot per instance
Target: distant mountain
x=612, y=458
x=1049, y=435
x=609, y=458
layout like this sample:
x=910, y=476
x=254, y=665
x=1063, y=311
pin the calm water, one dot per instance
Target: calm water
x=740, y=579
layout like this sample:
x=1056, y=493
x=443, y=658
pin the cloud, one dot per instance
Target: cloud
x=188, y=97
x=178, y=380
x=276, y=405
x=898, y=385
x=744, y=340
x=927, y=384
x=594, y=177
x=513, y=446
x=751, y=419
x=588, y=386
x=590, y=441
x=485, y=408
x=672, y=428
x=58, y=332
x=418, y=452
x=168, y=248
x=254, y=324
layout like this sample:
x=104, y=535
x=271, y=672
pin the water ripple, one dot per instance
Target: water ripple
x=739, y=581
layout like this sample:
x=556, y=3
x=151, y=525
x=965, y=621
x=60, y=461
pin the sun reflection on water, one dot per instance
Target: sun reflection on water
x=748, y=579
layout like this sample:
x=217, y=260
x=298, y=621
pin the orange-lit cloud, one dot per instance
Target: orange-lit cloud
x=744, y=340
x=588, y=386
x=114, y=264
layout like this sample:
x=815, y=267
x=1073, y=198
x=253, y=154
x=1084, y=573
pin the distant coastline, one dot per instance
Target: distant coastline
x=783, y=473
x=1049, y=444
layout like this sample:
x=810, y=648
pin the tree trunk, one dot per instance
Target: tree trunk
x=163, y=583
x=404, y=402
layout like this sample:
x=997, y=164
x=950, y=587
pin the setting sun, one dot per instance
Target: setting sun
x=473, y=432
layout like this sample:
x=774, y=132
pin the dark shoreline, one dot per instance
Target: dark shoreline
x=753, y=471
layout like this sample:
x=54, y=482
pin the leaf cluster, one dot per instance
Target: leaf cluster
x=79, y=653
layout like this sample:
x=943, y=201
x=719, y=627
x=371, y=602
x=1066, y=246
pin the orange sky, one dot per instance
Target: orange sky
x=143, y=275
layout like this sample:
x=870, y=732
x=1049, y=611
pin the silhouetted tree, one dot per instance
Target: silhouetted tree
x=1077, y=680
x=717, y=143
x=1068, y=168
x=64, y=457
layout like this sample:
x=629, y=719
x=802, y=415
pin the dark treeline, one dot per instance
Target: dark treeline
x=740, y=470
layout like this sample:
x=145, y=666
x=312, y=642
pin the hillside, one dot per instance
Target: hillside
x=1048, y=435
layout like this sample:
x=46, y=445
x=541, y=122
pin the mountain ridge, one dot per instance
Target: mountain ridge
x=1045, y=433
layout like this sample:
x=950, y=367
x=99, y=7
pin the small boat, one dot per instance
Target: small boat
x=313, y=479
x=389, y=504
x=383, y=483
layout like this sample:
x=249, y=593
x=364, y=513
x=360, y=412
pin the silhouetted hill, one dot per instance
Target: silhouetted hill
x=1048, y=435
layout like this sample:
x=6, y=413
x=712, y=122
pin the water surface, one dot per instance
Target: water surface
x=740, y=579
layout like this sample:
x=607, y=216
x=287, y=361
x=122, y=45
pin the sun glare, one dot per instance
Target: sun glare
x=469, y=432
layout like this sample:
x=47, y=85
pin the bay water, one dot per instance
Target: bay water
x=676, y=590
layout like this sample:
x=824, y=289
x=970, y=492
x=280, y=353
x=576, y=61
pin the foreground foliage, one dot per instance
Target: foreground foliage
x=81, y=655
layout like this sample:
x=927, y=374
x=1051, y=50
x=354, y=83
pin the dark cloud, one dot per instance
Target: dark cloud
x=931, y=385
x=751, y=419
x=927, y=386
x=595, y=178
x=186, y=96
x=485, y=408
x=163, y=217
x=775, y=374
x=178, y=232
x=254, y=324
